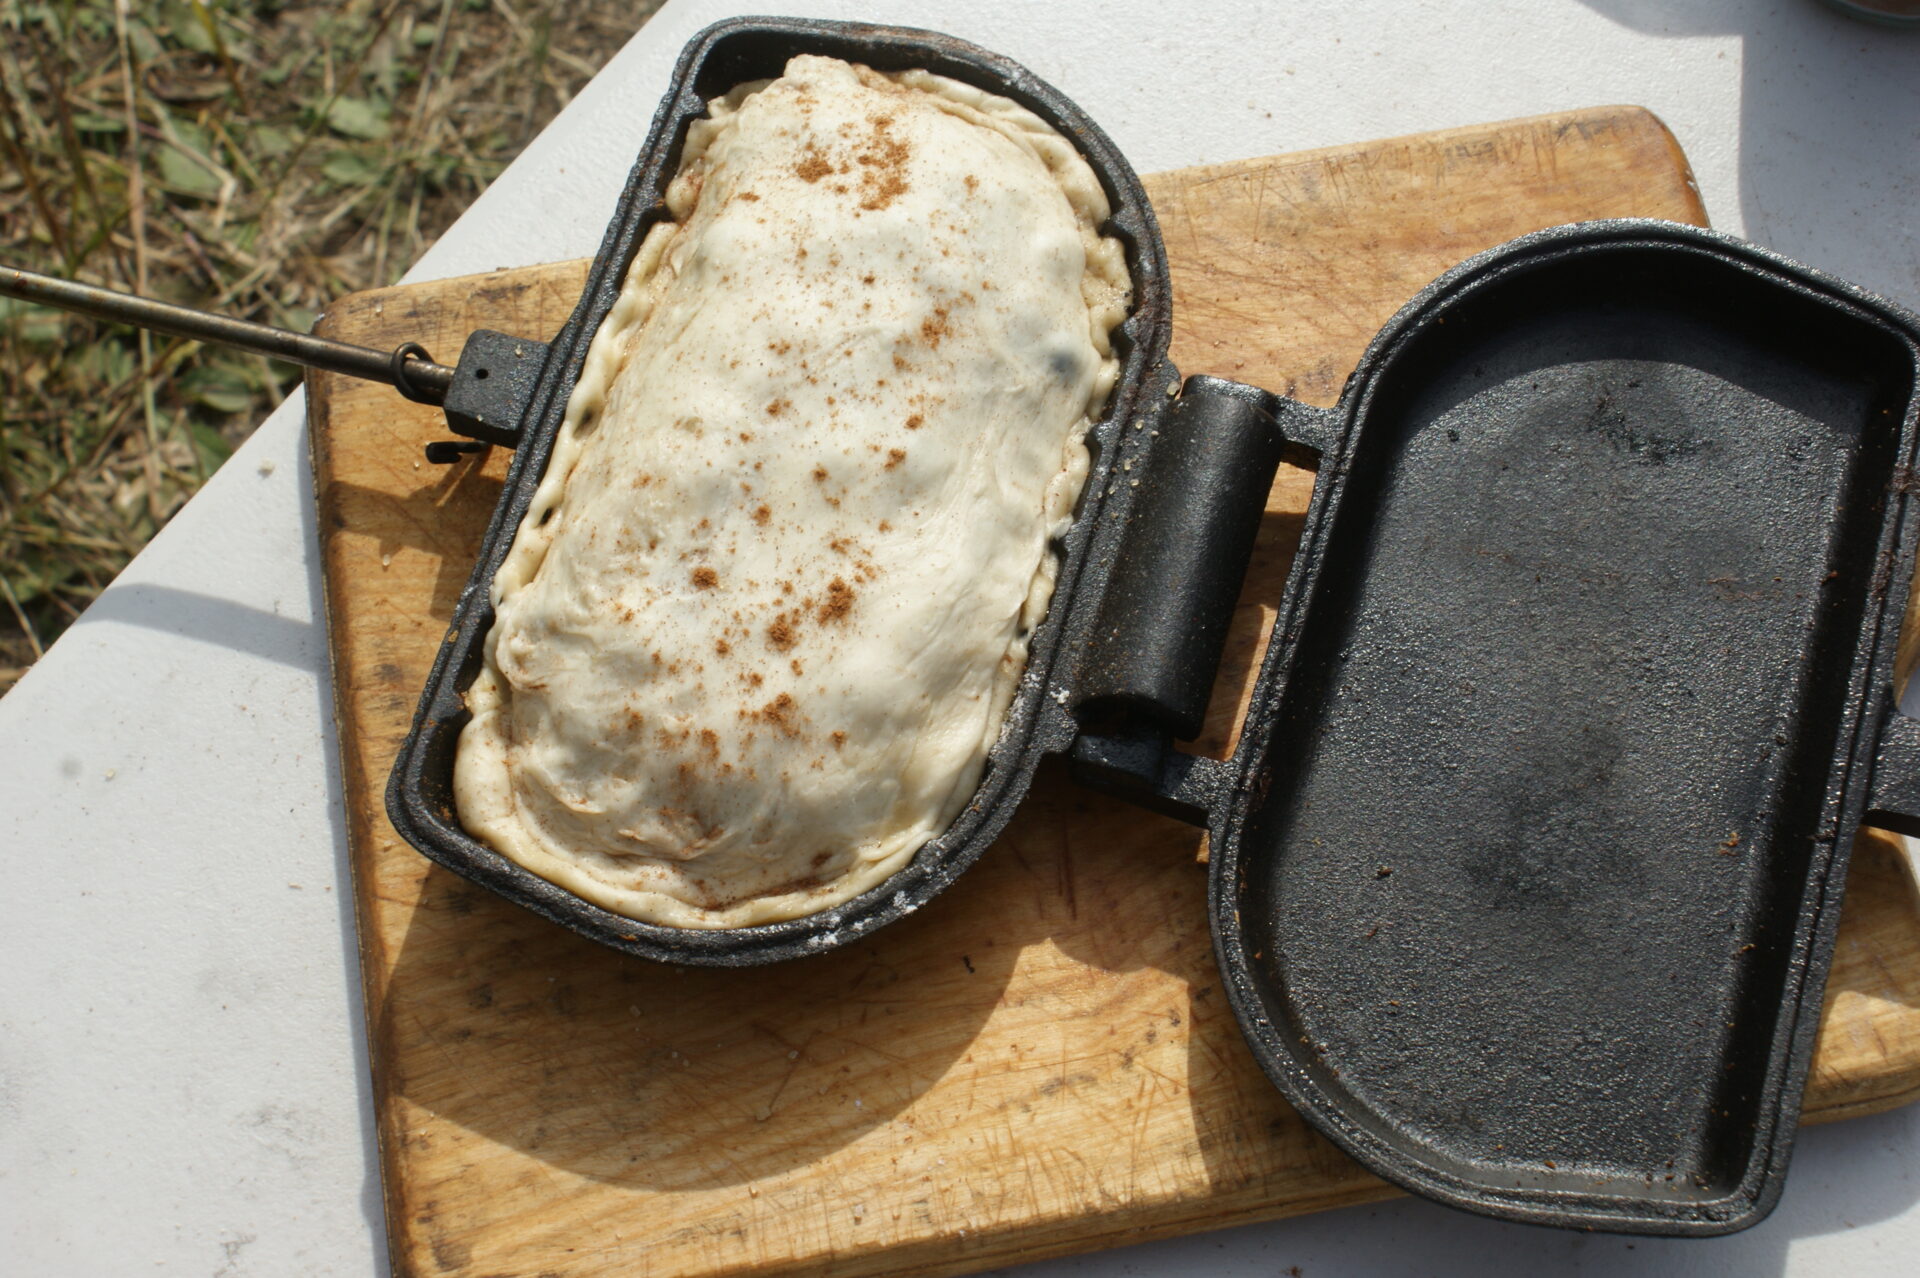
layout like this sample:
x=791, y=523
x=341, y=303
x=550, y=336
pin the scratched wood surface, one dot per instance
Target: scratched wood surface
x=1041, y=1061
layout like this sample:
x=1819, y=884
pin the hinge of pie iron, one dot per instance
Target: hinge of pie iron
x=1149, y=663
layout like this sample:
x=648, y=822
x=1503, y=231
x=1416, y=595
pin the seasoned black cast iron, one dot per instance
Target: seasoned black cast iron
x=420, y=796
x=1526, y=866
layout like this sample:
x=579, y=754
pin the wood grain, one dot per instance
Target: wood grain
x=1040, y=1062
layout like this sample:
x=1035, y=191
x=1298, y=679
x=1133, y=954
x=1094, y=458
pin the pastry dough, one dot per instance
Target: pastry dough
x=766, y=612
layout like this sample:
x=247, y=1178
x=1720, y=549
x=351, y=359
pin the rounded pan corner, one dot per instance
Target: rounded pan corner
x=1368, y=1137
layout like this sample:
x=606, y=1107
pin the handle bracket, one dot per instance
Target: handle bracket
x=492, y=387
x=1893, y=798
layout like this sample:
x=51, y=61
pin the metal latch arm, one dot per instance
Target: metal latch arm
x=484, y=396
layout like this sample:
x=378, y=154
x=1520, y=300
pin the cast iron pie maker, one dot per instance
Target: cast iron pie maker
x=1526, y=865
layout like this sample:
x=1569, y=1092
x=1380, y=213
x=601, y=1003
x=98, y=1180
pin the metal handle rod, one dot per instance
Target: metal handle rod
x=407, y=368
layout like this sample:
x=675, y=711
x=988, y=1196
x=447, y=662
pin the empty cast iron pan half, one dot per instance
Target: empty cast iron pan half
x=1526, y=866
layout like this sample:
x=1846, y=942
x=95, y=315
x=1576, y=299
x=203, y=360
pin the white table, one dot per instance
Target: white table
x=183, y=1073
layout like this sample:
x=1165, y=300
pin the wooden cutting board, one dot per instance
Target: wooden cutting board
x=1040, y=1062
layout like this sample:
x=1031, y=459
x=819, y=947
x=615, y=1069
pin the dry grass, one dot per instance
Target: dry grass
x=255, y=157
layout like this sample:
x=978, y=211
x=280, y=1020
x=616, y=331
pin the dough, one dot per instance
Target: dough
x=763, y=620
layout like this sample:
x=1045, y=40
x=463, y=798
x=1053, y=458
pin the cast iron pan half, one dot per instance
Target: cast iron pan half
x=420, y=792
x=1526, y=872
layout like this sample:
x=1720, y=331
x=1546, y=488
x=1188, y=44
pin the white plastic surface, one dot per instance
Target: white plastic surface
x=182, y=1066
